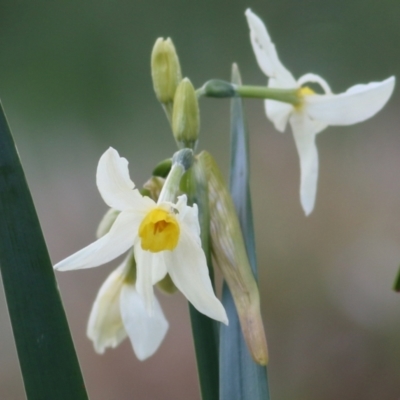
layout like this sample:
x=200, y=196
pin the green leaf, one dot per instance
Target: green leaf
x=45, y=349
x=240, y=377
x=396, y=286
x=204, y=329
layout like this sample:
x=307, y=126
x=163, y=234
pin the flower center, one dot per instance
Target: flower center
x=306, y=91
x=159, y=231
x=301, y=93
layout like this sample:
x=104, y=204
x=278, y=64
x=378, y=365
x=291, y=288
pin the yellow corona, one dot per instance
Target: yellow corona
x=159, y=231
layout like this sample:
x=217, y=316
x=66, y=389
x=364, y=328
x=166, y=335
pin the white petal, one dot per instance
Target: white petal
x=189, y=217
x=144, y=278
x=146, y=333
x=266, y=54
x=304, y=132
x=315, y=79
x=278, y=113
x=158, y=267
x=105, y=326
x=115, y=185
x=188, y=269
x=120, y=238
x=357, y=104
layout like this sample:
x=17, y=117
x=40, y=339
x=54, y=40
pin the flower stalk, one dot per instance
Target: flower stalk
x=221, y=89
x=181, y=162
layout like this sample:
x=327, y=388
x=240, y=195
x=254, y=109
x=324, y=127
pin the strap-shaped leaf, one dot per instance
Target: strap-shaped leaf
x=46, y=352
x=396, y=286
x=240, y=377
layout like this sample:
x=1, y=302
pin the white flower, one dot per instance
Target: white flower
x=316, y=111
x=165, y=237
x=119, y=311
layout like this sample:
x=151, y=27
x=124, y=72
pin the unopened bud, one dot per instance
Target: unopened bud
x=186, y=115
x=229, y=253
x=162, y=169
x=165, y=70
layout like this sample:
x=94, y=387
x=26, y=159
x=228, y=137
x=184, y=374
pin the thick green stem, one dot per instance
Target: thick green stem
x=181, y=162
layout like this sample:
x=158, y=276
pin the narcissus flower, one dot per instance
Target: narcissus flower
x=314, y=112
x=165, y=237
x=119, y=311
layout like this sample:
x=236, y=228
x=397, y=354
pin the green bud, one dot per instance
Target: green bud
x=106, y=222
x=186, y=115
x=162, y=169
x=229, y=254
x=165, y=70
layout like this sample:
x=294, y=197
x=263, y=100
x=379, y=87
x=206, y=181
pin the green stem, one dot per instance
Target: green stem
x=263, y=92
x=181, y=162
x=222, y=89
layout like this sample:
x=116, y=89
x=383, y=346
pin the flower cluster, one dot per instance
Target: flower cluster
x=161, y=235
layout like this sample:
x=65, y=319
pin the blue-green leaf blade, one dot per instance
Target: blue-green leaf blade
x=204, y=329
x=48, y=361
x=396, y=285
x=240, y=377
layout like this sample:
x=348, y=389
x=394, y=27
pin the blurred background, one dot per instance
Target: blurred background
x=75, y=79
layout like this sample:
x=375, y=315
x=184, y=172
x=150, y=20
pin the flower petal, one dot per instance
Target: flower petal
x=188, y=270
x=315, y=79
x=145, y=332
x=120, y=238
x=278, y=113
x=266, y=54
x=105, y=326
x=115, y=185
x=357, y=104
x=189, y=217
x=304, y=132
x=144, y=279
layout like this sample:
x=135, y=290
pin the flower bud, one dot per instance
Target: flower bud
x=229, y=254
x=165, y=70
x=186, y=115
x=162, y=169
